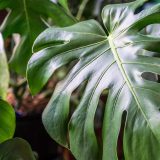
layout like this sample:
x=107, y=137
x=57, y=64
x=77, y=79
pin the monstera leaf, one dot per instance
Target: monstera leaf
x=25, y=18
x=4, y=73
x=16, y=149
x=7, y=121
x=111, y=58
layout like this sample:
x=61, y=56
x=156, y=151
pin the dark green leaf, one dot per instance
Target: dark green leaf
x=16, y=149
x=4, y=74
x=110, y=59
x=7, y=121
x=25, y=18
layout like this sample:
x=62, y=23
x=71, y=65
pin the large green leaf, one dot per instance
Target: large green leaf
x=16, y=149
x=25, y=18
x=7, y=121
x=112, y=58
x=4, y=74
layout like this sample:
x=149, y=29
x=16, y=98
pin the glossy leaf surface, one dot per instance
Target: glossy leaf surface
x=4, y=74
x=7, y=121
x=16, y=149
x=26, y=18
x=113, y=58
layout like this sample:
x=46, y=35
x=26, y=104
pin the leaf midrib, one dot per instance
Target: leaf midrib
x=126, y=78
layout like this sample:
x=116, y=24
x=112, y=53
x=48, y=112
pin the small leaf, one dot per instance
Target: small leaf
x=7, y=121
x=4, y=73
x=16, y=149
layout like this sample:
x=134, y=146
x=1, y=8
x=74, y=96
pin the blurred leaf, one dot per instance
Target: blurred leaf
x=25, y=18
x=7, y=121
x=111, y=58
x=64, y=3
x=16, y=149
x=4, y=73
x=7, y=114
x=158, y=1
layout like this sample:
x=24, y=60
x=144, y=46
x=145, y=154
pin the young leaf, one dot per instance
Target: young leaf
x=4, y=74
x=16, y=149
x=25, y=18
x=7, y=121
x=115, y=61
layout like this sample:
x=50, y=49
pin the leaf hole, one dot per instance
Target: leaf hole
x=150, y=76
x=153, y=30
x=140, y=8
x=98, y=120
x=3, y=14
x=120, y=150
x=60, y=74
x=57, y=76
x=76, y=97
x=11, y=43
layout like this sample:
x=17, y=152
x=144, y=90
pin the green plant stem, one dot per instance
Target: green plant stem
x=81, y=9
